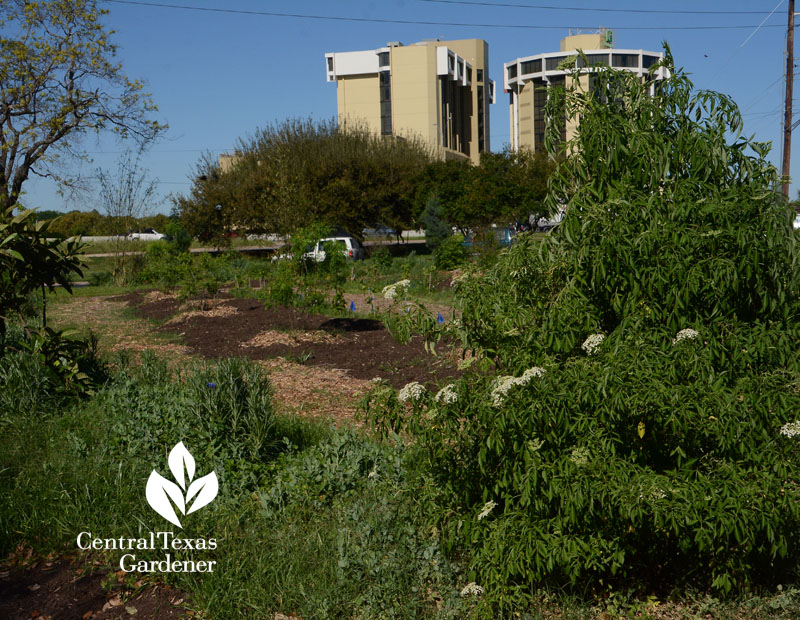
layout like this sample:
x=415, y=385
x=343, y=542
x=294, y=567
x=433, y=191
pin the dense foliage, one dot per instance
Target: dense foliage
x=641, y=426
x=93, y=223
x=296, y=173
x=30, y=261
x=505, y=188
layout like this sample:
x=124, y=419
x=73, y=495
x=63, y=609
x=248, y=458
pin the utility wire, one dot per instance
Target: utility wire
x=414, y=22
x=761, y=24
x=590, y=9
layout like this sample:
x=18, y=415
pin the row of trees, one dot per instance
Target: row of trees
x=84, y=223
x=290, y=175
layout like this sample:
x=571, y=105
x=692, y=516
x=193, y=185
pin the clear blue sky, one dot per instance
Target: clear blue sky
x=217, y=76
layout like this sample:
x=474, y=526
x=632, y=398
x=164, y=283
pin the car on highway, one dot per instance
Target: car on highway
x=146, y=234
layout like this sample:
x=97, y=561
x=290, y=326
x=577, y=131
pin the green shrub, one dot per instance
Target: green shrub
x=641, y=426
x=450, y=253
x=179, y=238
x=100, y=278
x=375, y=556
x=43, y=370
x=164, y=267
x=223, y=412
x=382, y=257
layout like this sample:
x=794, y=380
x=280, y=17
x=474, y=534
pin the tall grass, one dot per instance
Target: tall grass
x=308, y=520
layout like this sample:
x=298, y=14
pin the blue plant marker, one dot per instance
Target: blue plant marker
x=439, y=318
x=352, y=306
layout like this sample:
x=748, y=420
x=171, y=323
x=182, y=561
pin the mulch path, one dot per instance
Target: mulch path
x=229, y=326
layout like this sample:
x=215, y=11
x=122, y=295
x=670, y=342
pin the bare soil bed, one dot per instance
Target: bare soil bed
x=61, y=590
x=234, y=327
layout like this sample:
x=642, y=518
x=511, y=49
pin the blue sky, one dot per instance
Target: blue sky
x=217, y=76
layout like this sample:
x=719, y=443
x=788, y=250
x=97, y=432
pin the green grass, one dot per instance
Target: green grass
x=302, y=528
x=322, y=523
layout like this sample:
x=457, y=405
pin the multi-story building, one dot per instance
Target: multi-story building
x=437, y=91
x=527, y=80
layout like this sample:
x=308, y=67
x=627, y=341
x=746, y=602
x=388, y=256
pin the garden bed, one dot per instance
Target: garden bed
x=234, y=327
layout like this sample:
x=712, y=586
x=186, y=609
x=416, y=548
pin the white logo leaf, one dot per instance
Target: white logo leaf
x=205, y=488
x=159, y=491
x=181, y=460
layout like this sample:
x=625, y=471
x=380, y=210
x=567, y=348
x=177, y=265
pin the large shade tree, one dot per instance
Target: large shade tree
x=59, y=79
x=297, y=172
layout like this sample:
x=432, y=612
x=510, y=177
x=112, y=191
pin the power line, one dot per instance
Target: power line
x=590, y=9
x=414, y=22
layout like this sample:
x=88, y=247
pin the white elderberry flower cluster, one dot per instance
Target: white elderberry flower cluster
x=791, y=429
x=458, y=279
x=580, y=456
x=535, y=444
x=487, y=508
x=685, y=334
x=503, y=385
x=472, y=589
x=393, y=290
x=654, y=495
x=592, y=343
x=411, y=392
x=447, y=395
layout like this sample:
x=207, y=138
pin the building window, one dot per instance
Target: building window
x=512, y=71
x=479, y=75
x=385, y=85
x=443, y=124
x=649, y=61
x=481, y=97
x=593, y=60
x=625, y=60
x=539, y=102
x=551, y=64
x=330, y=64
x=531, y=66
x=383, y=59
x=559, y=82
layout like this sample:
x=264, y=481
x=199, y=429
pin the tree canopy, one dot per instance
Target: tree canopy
x=289, y=175
x=59, y=80
x=506, y=187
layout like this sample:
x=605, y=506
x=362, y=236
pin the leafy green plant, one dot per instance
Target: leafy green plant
x=223, y=410
x=639, y=425
x=450, y=253
x=382, y=257
x=30, y=261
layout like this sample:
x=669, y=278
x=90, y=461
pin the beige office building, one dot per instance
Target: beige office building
x=527, y=80
x=438, y=91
